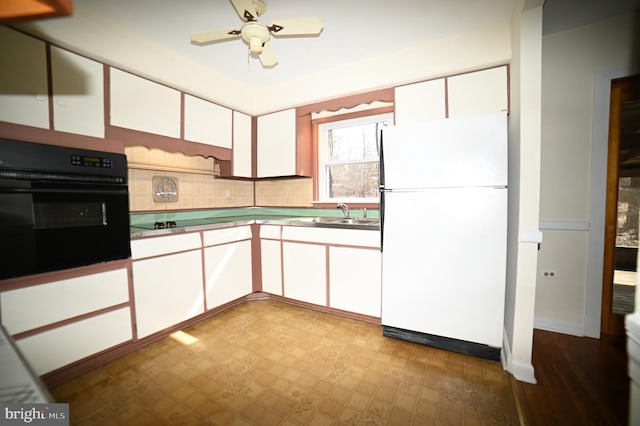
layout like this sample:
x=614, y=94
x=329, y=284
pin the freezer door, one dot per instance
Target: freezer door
x=444, y=263
x=450, y=152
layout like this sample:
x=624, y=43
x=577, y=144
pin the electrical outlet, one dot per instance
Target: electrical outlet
x=227, y=193
x=549, y=274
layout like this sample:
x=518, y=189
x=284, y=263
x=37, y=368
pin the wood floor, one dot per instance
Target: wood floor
x=581, y=381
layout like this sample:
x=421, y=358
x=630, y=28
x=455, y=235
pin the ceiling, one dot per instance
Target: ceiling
x=354, y=31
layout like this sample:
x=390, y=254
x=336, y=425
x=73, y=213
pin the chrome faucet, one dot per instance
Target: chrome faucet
x=345, y=209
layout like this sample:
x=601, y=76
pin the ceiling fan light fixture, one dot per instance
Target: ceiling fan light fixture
x=255, y=45
x=255, y=35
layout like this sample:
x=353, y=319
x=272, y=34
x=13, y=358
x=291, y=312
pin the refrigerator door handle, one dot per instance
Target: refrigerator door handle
x=382, y=194
x=381, y=187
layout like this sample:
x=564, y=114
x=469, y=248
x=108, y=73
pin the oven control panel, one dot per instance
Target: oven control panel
x=90, y=161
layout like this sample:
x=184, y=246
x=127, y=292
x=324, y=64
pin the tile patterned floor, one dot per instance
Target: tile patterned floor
x=270, y=363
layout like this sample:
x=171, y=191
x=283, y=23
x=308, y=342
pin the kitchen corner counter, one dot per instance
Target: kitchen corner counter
x=144, y=225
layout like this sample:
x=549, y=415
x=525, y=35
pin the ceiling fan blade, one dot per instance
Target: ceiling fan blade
x=209, y=37
x=246, y=9
x=268, y=56
x=310, y=25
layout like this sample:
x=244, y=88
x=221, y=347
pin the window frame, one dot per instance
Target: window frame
x=319, y=200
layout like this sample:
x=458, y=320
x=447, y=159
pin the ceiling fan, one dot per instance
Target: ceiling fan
x=256, y=34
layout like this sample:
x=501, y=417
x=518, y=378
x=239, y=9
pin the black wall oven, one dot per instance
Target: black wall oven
x=60, y=208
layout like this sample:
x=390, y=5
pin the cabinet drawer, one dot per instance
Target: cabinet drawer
x=228, y=235
x=60, y=300
x=157, y=246
x=355, y=237
x=61, y=346
x=271, y=232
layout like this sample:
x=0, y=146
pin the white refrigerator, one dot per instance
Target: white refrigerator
x=443, y=206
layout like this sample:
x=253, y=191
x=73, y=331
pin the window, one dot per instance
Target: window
x=348, y=157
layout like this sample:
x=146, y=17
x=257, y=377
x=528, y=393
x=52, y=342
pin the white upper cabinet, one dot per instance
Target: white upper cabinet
x=241, y=145
x=206, y=122
x=478, y=92
x=24, y=94
x=140, y=104
x=277, y=144
x=420, y=101
x=78, y=94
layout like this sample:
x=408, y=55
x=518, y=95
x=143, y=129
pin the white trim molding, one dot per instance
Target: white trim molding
x=522, y=371
x=530, y=236
x=632, y=324
x=563, y=327
x=564, y=225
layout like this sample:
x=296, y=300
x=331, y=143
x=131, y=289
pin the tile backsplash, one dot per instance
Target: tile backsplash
x=198, y=188
x=294, y=192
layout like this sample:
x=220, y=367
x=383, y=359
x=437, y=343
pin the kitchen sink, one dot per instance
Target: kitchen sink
x=320, y=220
x=349, y=220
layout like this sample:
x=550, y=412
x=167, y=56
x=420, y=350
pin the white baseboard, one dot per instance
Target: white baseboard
x=522, y=371
x=563, y=327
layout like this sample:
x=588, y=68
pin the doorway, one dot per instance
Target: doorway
x=622, y=216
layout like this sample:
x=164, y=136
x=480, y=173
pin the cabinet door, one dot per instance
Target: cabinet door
x=355, y=277
x=167, y=291
x=271, y=264
x=305, y=274
x=478, y=92
x=242, y=158
x=228, y=272
x=206, y=122
x=78, y=94
x=61, y=346
x=277, y=144
x=140, y=104
x=83, y=305
x=24, y=94
x=415, y=103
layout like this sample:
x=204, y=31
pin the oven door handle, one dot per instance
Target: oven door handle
x=92, y=191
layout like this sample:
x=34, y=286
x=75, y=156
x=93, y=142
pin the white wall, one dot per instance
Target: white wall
x=574, y=62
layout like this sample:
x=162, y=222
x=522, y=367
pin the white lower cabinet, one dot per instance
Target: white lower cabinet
x=61, y=346
x=69, y=299
x=305, y=272
x=227, y=272
x=355, y=280
x=337, y=268
x=271, y=259
x=271, y=266
x=167, y=291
